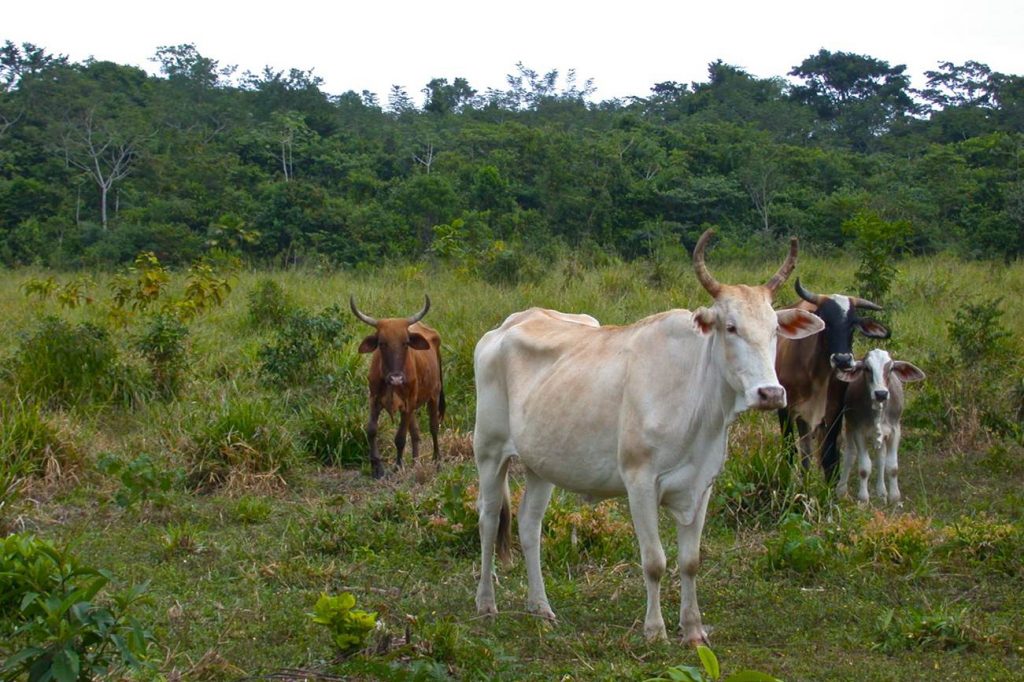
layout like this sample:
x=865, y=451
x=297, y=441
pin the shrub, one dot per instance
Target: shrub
x=243, y=441
x=51, y=624
x=141, y=479
x=976, y=332
x=335, y=435
x=449, y=516
x=31, y=445
x=269, y=304
x=942, y=630
x=575, y=533
x=876, y=243
x=163, y=344
x=982, y=542
x=905, y=540
x=348, y=626
x=67, y=364
x=797, y=547
x=296, y=353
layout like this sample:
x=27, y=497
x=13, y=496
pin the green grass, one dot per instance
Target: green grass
x=236, y=568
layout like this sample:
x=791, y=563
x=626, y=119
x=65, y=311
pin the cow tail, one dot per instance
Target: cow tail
x=504, y=545
x=440, y=378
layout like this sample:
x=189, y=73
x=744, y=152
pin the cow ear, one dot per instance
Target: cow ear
x=872, y=329
x=704, y=320
x=796, y=324
x=906, y=371
x=850, y=375
x=369, y=344
x=418, y=342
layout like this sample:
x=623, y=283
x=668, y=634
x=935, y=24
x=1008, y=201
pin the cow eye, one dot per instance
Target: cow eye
x=731, y=328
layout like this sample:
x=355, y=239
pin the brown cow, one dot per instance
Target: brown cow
x=405, y=373
x=806, y=369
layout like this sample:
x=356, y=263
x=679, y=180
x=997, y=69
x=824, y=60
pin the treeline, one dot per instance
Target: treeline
x=99, y=161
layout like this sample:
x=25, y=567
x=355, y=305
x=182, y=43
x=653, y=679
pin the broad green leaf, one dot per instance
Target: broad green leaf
x=710, y=661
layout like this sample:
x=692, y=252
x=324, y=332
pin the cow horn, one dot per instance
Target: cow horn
x=786, y=269
x=419, y=316
x=361, y=315
x=809, y=296
x=864, y=303
x=705, y=277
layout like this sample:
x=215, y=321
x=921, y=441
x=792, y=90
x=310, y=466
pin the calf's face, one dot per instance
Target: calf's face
x=876, y=368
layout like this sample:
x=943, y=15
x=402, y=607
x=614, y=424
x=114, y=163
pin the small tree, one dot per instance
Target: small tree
x=876, y=242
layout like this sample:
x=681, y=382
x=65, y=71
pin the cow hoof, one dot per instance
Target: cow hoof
x=486, y=610
x=542, y=611
x=655, y=633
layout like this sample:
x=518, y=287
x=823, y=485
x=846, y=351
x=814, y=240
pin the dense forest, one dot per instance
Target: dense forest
x=99, y=161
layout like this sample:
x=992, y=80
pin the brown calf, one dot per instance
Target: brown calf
x=405, y=373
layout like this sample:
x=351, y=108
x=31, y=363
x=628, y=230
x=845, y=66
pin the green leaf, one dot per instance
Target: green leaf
x=66, y=665
x=710, y=661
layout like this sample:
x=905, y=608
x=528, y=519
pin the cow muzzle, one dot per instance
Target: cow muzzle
x=769, y=398
x=841, y=360
x=396, y=379
x=881, y=395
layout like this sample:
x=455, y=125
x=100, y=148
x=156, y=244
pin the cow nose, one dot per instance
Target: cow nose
x=396, y=379
x=881, y=395
x=842, y=360
x=771, y=397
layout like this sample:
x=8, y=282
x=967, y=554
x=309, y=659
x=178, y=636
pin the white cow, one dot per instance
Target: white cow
x=639, y=410
x=873, y=407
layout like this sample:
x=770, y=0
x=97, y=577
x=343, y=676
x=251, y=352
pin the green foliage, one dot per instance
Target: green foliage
x=348, y=626
x=449, y=517
x=876, y=242
x=798, y=547
x=710, y=670
x=181, y=539
x=977, y=334
x=163, y=344
x=52, y=626
x=251, y=510
x=296, y=354
x=242, y=440
x=65, y=364
x=31, y=444
x=983, y=543
x=269, y=304
x=142, y=480
x=911, y=629
x=336, y=435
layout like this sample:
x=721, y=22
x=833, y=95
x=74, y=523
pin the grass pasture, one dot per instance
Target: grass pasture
x=242, y=497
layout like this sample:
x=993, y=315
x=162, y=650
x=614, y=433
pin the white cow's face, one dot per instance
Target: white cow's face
x=747, y=327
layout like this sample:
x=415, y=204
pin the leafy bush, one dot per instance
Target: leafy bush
x=982, y=542
x=51, y=624
x=296, y=353
x=976, y=332
x=269, y=304
x=797, y=547
x=31, y=445
x=905, y=540
x=162, y=343
x=335, y=435
x=243, y=441
x=943, y=630
x=141, y=479
x=66, y=364
x=876, y=243
x=348, y=626
x=449, y=516
x=578, y=532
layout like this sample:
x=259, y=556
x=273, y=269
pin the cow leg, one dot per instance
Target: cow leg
x=643, y=506
x=892, y=466
x=371, y=437
x=860, y=445
x=435, y=421
x=414, y=432
x=804, y=443
x=789, y=438
x=531, y=515
x=830, y=452
x=688, y=536
x=400, y=433
x=848, y=459
x=492, y=471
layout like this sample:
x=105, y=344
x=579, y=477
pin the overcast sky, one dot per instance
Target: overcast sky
x=625, y=46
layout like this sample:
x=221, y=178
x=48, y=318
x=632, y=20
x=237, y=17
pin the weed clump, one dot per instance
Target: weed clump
x=32, y=444
x=335, y=436
x=269, y=304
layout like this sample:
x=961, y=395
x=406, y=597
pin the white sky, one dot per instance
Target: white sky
x=626, y=47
